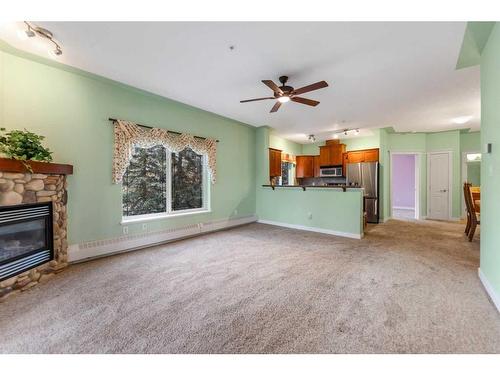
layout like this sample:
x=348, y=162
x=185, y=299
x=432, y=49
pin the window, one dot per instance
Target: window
x=159, y=183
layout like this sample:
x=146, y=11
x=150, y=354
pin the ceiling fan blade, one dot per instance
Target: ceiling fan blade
x=300, y=100
x=314, y=86
x=273, y=86
x=275, y=107
x=254, y=100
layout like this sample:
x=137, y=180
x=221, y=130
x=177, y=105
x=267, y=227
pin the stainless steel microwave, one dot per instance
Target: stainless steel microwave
x=330, y=172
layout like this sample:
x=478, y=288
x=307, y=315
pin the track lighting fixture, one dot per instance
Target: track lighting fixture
x=346, y=132
x=32, y=31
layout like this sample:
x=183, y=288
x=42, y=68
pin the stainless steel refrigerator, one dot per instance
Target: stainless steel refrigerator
x=365, y=175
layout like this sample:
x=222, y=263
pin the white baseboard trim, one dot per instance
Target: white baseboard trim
x=312, y=229
x=403, y=208
x=95, y=249
x=495, y=298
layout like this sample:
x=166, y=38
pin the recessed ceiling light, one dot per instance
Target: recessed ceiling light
x=335, y=136
x=461, y=120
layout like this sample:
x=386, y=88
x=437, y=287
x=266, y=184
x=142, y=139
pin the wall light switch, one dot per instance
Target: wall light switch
x=310, y=215
x=487, y=148
x=144, y=226
x=125, y=230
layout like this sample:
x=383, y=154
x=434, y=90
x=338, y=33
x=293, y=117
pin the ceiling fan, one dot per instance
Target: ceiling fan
x=284, y=93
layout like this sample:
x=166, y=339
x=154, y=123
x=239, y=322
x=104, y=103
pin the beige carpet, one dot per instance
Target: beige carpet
x=406, y=288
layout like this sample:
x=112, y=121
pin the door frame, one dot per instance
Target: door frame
x=464, y=178
x=450, y=181
x=418, y=156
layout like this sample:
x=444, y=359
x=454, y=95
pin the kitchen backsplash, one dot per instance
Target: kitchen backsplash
x=318, y=181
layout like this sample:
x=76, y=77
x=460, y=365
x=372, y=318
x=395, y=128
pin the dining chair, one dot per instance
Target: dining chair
x=467, y=209
x=473, y=215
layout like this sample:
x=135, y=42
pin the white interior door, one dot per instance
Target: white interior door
x=439, y=184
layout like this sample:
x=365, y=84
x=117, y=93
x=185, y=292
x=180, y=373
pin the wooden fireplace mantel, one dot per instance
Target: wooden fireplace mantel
x=12, y=165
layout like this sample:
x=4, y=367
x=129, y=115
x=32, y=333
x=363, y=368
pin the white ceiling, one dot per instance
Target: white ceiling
x=380, y=73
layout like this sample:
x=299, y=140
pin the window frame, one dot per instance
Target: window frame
x=205, y=188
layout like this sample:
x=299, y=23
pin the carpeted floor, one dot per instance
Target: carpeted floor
x=408, y=287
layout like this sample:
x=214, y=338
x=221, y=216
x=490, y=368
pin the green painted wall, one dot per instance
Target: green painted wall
x=330, y=209
x=284, y=145
x=470, y=142
x=71, y=109
x=311, y=148
x=490, y=163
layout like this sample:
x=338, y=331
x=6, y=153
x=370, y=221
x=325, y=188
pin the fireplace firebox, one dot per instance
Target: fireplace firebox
x=26, y=237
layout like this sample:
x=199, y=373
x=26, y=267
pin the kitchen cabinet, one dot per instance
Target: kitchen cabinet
x=316, y=165
x=362, y=156
x=305, y=166
x=331, y=154
x=274, y=162
x=371, y=155
x=355, y=156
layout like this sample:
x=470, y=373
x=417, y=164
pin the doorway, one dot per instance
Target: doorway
x=439, y=185
x=471, y=172
x=405, y=173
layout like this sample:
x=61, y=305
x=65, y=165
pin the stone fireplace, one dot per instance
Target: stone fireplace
x=23, y=189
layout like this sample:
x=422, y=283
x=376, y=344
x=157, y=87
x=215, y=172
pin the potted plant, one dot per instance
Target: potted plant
x=23, y=145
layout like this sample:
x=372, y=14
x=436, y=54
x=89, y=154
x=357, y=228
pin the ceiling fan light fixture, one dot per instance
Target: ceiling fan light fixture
x=284, y=99
x=335, y=136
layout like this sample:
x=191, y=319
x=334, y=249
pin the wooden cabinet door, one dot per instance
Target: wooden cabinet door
x=324, y=156
x=316, y=165
x=274, y=162
x=371, y=155
x=336, y=154
x=305, y=166
x=345, y=160
x=356, y=156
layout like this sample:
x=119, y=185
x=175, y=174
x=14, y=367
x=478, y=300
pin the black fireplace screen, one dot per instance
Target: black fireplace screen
x=26, y=239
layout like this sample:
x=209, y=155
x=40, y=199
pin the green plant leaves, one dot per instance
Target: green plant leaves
x=23, y=145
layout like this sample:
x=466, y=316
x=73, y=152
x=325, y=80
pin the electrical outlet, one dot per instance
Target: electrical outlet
x=310, y=215
x=144, y=226
x=125, y=230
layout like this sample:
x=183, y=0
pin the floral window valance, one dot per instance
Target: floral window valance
x=129, y=135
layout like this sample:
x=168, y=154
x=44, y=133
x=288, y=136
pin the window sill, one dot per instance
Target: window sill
x=132, y=220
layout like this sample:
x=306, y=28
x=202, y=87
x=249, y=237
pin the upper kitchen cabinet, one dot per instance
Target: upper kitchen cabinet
x=274, y=162
x=305, y=166
x=362, y=156
x=371, y=155
x=331, y=154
